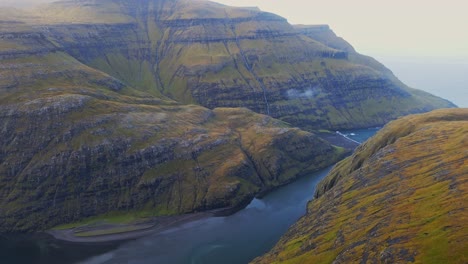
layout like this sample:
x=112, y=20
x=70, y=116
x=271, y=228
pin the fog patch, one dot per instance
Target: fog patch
x=308, y=93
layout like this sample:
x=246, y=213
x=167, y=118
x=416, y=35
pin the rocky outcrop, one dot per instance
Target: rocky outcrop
x=401, y=197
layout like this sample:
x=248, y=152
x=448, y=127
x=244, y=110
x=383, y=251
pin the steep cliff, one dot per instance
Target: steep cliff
x=401, y=197
x=218, y=56
x=76, y=142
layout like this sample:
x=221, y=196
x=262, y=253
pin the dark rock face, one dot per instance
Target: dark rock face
x=399, y=198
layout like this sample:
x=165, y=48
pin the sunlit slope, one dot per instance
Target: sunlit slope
x=217, y=56
x=401, y=197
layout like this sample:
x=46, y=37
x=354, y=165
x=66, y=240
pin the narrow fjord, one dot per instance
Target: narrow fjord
x=124, y=120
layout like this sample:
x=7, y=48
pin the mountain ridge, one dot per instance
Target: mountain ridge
x=241, y=57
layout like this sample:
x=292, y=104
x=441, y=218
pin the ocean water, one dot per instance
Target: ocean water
x=446, y=77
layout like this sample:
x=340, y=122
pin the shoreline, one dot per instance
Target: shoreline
x=348, y=138
x=129, y=231
x=105, y=232
x=339, y=139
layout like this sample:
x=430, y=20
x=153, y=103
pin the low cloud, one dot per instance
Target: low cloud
x=305, y=94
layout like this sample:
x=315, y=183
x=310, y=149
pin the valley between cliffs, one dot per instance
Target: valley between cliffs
x=401, y=197
x=119, y=110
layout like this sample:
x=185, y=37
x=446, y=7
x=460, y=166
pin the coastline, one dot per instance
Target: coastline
x=105, y=232
x=129, y=231
x=339, y=139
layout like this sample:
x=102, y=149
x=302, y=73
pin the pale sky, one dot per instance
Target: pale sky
x=377, y=27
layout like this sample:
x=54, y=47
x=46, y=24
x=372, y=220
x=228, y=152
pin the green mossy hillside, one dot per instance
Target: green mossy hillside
x=400, y=198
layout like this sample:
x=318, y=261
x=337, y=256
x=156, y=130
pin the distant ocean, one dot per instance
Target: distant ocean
x=444, y=77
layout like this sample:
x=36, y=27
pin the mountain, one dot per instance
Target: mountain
x=159, y=107
x=217, y=56
x=76, y=142
x=401, y=197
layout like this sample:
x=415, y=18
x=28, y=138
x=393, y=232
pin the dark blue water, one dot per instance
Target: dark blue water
x=360, y=135
x=43, y=249
x=233, y=239
x=237, y=238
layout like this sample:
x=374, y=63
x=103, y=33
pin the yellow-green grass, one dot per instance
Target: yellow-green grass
x=109, y=218
x=404, y=191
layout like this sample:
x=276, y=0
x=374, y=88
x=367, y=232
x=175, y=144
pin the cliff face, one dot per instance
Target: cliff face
x=76, y=142
x=401, y=197
x=324, y=35
x=217, y=56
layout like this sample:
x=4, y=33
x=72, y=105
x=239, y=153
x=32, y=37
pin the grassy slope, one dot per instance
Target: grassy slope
x=401, y=197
